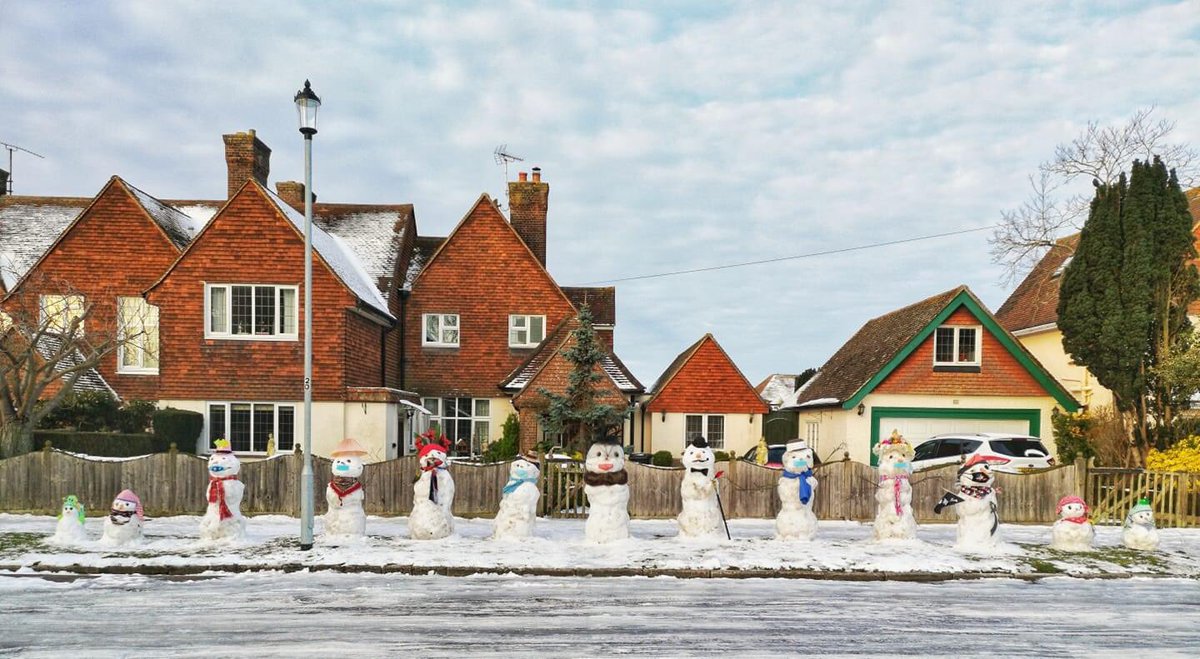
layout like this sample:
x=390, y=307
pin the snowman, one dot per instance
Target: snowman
x=519, y=500
x=1073, y=531
x=433, y=492
x=893, y=495
x=123, y=526
x=345, y=518
x=1139, y=532
x=975, y=503
x=223, y=521
x=701, y=514
x=797, y=491
x=70, y=522
x=606, y=485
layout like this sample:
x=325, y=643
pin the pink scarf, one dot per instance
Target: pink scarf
x=896, y=480
x=1082, y=519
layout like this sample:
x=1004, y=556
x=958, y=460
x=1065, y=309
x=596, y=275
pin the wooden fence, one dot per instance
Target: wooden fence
x=174, y=483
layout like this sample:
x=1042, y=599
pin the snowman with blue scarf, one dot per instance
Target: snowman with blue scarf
x=797, y=491
x=518, y=503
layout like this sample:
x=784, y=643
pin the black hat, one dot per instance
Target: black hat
x=698, y=442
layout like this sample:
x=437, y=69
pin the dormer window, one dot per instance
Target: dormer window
x=526, y=331
x=954, y=345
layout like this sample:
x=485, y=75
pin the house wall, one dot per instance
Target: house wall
x=741, y=432
x=1047, y=347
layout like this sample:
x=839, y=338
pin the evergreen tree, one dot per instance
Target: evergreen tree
x=1123, y=301
x=577, y=414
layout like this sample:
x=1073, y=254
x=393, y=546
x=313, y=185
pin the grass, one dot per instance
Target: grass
x=15, y=544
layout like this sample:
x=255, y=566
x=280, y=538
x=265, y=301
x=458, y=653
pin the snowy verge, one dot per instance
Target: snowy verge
x=841, y=550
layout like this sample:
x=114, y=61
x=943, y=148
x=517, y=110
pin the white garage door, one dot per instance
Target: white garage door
x=918, y=430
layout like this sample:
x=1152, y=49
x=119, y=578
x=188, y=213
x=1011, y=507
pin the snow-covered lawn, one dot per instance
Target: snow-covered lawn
x=559, y=544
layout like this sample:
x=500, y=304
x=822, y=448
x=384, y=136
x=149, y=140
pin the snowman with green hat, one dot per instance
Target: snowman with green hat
x=1139, y=532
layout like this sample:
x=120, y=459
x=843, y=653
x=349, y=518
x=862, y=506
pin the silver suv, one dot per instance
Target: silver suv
x=1022, y=452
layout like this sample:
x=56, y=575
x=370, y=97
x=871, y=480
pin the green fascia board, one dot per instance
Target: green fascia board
x=1032, y=415
x=965, y=299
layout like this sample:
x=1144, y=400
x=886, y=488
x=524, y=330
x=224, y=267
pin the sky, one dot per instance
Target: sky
x=674, y=135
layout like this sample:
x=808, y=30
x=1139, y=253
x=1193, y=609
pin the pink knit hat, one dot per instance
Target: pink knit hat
x=1071, y=499
x=129, y=497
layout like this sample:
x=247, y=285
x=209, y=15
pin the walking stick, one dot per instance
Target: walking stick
x=721, y=506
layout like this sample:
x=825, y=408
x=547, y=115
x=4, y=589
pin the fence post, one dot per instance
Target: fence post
x=172, y=477
x=731, y=496
x=1182, y=514
x=1081, y=478
x=48, y=480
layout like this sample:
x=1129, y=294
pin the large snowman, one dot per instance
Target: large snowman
x=433, y=492
x=701, y=513
x=606, y=485
x=1073, y=531
x=344, y=516
x=519, y=500
x=123, y=526
x=797, y=490
x=974, y=500
x=893, y=495
x=223, y=521
x=1139, y=531
x=70, y=521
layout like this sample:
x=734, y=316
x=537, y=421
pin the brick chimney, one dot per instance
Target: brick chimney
x=527, y=203
x=3, y=182
x=292, y=192
x=246, y=157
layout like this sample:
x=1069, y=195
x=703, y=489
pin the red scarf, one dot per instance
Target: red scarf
x=216, y=493
x=343, y=493
x=1082, y=519
x=897, y=479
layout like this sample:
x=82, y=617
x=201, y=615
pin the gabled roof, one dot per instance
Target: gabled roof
x=553, y=343
x=1034, y=303
x=28, y=227
x=777, y=388
x=50, y=345
x=883, y=343
x=680, y=364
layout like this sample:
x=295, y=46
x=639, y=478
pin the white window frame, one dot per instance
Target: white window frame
x=65, y=307
x=228, y=333
x=481, y=424
x=704, y=423
x=518, y=323
x=145, y=327
x=978, y=329
x=224, y=433
x=813, y=432
x=441, y=331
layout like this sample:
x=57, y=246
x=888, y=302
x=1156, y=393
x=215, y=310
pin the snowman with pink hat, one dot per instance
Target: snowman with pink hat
x=1073, y=531
x=433, y=492
x=123, y=526
x=345, y=518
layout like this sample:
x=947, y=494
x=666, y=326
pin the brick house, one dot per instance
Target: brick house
x=940, y=365
x=702, y=392
x=479, y=309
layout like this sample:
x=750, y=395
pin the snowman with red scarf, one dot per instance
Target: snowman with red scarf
x=893, y=495
x=974, y=500
x=797, y=491
x=1073, y=531
x=123, y=526
x=433, y=492
x=223, y=521
x=345, y=518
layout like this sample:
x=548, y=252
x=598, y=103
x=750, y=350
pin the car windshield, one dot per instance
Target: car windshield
x=1020, y=448
x=775, y=454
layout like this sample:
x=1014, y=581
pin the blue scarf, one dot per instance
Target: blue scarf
x=805, y=487
x=514, y=483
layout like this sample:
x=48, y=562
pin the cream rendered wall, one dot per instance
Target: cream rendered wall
x=742, y=432
x=498, y=411
x=1047, y=347
x=831, y=431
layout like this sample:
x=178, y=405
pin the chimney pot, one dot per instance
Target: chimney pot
x=537, y=174
x=522, y=176
x=246, y=157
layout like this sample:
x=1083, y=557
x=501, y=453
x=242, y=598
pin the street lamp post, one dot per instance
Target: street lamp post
x=306, y=108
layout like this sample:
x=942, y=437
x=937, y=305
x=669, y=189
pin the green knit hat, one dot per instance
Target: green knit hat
x=1143, y=505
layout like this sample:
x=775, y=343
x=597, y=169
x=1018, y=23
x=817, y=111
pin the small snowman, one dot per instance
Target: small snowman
x=433, y=492
x=1139, y=532
x=606, y=484
x=70, y=522
x=344, y=517
x=893, y=495
x=1073, y=531
x=123, y=526
x=519, y=500
x=701, y=513
x=223, y=521
x=797, y=491
x=974, y=500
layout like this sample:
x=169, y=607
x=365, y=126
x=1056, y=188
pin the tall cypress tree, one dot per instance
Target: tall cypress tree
x=577, y=413
x=1122, y=304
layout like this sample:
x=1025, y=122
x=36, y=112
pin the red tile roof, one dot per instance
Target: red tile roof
x=704, y=379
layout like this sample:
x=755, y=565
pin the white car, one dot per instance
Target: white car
x=1020, y=452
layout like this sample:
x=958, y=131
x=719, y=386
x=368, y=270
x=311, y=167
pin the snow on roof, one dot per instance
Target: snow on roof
x=818, y=402
x=198, y=214
x=777, y=388
x=174, y=223
x=28, y=226
x=50, y=345
x=374, y=234
x=345, y=264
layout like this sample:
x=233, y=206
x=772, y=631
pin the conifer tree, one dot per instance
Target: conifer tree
x=578, y=413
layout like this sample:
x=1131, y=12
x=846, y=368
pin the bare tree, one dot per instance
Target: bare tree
x=52, y=338
x=1099, y=153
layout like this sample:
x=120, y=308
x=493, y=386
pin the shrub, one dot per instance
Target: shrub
x=84, y=410
x=1183, y=456
x=506, y=447
x=1072, y=435
x=723, y=456
x=179, y=426
x=107, y=444
x=662, y=459
x=135, y=416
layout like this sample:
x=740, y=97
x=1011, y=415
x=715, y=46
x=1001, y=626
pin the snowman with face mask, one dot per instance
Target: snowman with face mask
x=797, y=491
x=123, y=526
x=701, y=514
x=893, y=494
x=345, y=518
x=974, y=500
x=70, y=522
x=1139, y=532
x=223, y=521
x=433, y=492
x=606, y=485
x=519, y=500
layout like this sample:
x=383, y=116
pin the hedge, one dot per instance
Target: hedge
x=107, y=444
x=180, y=426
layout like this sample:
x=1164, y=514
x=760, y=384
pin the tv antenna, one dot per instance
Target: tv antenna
x=11, y=148
x=503, y=157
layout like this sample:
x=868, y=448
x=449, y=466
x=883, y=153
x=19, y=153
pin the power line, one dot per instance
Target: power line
x=842, y=250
